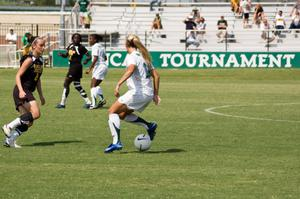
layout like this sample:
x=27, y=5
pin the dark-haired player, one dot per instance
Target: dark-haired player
x=99, y=68
x=75, y=53
x=27, y=80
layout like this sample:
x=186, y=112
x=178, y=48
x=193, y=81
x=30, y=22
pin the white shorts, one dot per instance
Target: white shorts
x=100, y=72
x=134, y=101
x=83, y=14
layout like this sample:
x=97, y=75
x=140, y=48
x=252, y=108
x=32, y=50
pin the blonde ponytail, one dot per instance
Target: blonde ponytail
x=135, y=42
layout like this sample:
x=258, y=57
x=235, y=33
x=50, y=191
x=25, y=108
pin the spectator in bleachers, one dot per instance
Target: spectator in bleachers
x=235, y=6
x=295, y=24
x=246, y=9
x=195, y=13
x=190, y=27
x=133, y=4
x=267, y=34
x=156, y=24
x=222, y=29
x=192, y=40
x=279, y=23
x=158, y=2
x=258, y=15
x=84, y=6
x=25, y=38
x=189, y=23
x=11, y=39
x=295, y=8
x=88, y=20
x=201, y=27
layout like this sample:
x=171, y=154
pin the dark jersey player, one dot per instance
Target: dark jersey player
x=75, y=53
x=27, y=80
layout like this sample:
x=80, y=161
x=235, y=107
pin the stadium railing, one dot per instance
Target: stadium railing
x=163, y=40
x=125, y=19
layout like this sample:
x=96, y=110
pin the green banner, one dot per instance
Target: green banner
x=194, y=60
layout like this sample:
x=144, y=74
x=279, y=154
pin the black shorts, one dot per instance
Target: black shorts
x=73, y=78
x=75, y=72
x=18, y=101
x=246, y=15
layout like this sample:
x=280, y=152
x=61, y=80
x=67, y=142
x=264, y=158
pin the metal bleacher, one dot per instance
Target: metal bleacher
x=123, y=17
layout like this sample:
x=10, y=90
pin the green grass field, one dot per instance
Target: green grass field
x=254, y=153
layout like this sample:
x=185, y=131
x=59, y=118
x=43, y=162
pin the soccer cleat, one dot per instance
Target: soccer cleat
x=101, y=103
x=113, y=147
x=86, y=106
x=8, y=142
x=93, y=107
x=59, y=106
x=151, y=130
x=6, y=130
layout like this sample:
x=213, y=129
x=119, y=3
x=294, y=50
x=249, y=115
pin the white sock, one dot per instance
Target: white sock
x=13, y=124
x=87, y=100
x=99, y=92
x=63, y=97
x=93, y=96
x=132, y=118
x=114, y=125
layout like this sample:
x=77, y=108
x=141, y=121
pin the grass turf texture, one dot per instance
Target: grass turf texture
x=195, y=154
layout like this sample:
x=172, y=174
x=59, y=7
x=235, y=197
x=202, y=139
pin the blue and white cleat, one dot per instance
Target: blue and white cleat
x=113, y=147
x=151, y=130
x=101, y=103
x=9, y=142
x=86, y=106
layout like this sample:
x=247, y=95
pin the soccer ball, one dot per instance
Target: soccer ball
x=142, y=142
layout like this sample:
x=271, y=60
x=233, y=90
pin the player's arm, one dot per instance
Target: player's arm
x=76, y=5
x=126, y=75
x=40, y=92
x=64, y=55
x=89, y=6
x=156, y=81
x=92, y=65
x=88, y=58
x=292, y=12
x=19, y=74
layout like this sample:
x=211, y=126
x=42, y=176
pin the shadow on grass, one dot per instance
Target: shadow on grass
x=155, y=152
x=52, y=143
x=104, y=107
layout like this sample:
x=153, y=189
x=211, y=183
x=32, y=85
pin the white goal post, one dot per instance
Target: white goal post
x=8, y=56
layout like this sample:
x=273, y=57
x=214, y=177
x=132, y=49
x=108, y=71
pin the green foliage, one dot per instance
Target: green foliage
x=195, y=154
x=45, y=2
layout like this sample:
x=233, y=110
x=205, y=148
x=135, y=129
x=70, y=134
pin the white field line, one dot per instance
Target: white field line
x=211, y=110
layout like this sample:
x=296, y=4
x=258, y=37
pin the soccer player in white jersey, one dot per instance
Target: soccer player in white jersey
x=143, y=85
x=99, y=68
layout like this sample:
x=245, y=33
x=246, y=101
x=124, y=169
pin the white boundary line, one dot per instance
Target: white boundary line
x=211, y=110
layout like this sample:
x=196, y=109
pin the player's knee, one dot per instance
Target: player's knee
x=66, y=84
x=36, y=114
x=122, y=115
x=30, y=124
x=27, y=118
x=110, y=111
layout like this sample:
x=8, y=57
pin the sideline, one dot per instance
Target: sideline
x=211, y=110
